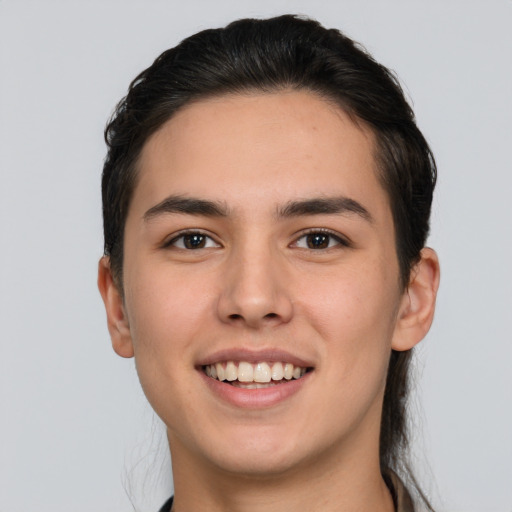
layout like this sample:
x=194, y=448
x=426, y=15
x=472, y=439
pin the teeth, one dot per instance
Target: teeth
x=277, y=371
x=221, y=373
x=249, y=376
x=252, y=385
x=231, y=371
x=261, y=373
x=245, y=372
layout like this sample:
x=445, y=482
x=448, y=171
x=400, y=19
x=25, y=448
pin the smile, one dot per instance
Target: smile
x=245, y=375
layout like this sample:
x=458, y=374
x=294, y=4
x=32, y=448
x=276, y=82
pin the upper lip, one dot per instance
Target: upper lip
x=270, y=355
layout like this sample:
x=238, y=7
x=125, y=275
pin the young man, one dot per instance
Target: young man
x=266, y=201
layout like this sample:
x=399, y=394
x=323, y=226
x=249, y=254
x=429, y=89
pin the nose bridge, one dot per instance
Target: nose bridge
x=254, y=290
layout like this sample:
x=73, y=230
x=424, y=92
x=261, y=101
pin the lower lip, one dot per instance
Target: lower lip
x=255, y=398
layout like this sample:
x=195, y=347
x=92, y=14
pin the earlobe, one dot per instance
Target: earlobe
x=418, y=302
x=117, y=320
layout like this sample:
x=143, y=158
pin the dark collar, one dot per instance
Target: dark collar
x=401, y=497
x=167, y=505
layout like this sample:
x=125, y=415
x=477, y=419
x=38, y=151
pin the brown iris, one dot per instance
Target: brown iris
x=194, y=241
x=318, y=241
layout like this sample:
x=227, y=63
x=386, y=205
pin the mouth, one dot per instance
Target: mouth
x=243, y=374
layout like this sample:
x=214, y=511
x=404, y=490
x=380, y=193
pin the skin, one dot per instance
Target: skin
x=257, y=285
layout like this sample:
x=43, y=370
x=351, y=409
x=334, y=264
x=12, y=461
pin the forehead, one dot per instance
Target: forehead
x=258, y=149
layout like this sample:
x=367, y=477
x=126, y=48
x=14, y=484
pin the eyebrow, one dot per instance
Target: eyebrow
x=315, y=206
x=326, y=206
x=188, y=206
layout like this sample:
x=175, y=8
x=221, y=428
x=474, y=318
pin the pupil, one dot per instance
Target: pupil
x=194, y=241
x=318, y=241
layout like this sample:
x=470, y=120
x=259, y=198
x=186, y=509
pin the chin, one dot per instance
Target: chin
x=259, y=465
x=261, y=453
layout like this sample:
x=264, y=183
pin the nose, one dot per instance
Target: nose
x=255, y=290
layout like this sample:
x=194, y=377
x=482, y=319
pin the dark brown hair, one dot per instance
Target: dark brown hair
x=285, y=52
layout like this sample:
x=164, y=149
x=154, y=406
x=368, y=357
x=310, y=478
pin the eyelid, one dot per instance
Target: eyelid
x=171, y=240
x=342, y=240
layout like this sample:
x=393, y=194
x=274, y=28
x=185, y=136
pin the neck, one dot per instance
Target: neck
x=331, y=482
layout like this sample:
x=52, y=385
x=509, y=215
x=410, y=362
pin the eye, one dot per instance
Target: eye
x=319, y=239
x=192, y=240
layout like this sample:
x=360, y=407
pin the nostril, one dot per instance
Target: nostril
x=269, y=316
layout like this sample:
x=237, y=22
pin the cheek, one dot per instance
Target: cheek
x=355, y=314
x=167, y=314
x=351, y=299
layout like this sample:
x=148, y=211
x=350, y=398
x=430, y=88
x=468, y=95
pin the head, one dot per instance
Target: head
x=251, y=58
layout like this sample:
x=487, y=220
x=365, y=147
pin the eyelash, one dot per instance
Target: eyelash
x=183, y=234
x=340, y=241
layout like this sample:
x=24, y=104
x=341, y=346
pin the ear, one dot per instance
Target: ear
x=117, y=321
x=417, y=307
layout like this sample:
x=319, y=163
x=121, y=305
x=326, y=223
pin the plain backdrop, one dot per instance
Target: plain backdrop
x=75, y=431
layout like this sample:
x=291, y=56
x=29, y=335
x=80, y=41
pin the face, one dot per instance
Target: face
x=261, y=283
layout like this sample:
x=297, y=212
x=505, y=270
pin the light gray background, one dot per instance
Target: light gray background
x=74, y=427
